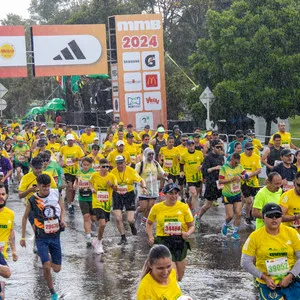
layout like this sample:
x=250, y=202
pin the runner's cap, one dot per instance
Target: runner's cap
x=119, y=158
x=119, y=143
x=121, y=123
x=129, y=135
x=170, y=187
x=160, y=130
x=147, y=127
x=249, y=146
x=214, y=143
x=190, y=142
x=286, y=152
x=271, y=208
x=92, y=126
x=70, y=137
x=96, y=139
x=20, y=138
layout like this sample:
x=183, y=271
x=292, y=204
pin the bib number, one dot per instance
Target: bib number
x=172, y=228
x=220, y=186
x=288, y=186
x=83, y=184
x=2, y=245
x=70, y=162
x=51, y=226
x=277, y=266
x=133, y=159
x=102, y=196
x=235, y=187
x=122, y=189
x=296, y=224
x=168, y=163
x=21, y=158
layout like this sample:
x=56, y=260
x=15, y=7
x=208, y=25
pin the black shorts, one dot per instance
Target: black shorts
x=70, y=178
x=86, y=207
x=101, y=214
x=176, y=244
x=181, y=180
x=25, y=169
x=249, y=190
x=231, y=200
x=211, y=191
x=127, y=200
x=195, y=184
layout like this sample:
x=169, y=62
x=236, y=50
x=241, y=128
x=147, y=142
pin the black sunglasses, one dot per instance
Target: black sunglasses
x=249, y=149
x=219, y=147
x=150, y=154
x=275, y=215
x=104, y=167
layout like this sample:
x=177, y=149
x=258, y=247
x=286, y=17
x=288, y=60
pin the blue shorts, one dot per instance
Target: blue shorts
x=231, y=200
x=52, y=246
x=290, y=292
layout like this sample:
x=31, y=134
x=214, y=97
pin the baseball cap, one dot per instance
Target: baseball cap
x=208, y=133
x=41, y=143
x=239, y=133
x=214, y=143
x=215, y=132
x=286, y=152
x=96, y=139
x=92, y=126
x=175, y=127
x=249, y=146
x=170, y=187
x=119, y=158
x=147, y=127
x=20, y=138
x=129, y=126
x=196, y=135
x=70, y=137
x=250, y=132
x=120, y=142
x=121, y=123
x=271, y=208
x=160, y=129
x=190, y=142
x=129, y=135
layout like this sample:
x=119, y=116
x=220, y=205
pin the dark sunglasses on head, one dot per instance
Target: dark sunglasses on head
x=275, y=215
x=104, y=167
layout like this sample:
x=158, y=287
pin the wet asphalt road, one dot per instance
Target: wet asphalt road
x=213, y=270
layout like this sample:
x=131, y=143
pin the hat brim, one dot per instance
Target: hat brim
x=272, y=212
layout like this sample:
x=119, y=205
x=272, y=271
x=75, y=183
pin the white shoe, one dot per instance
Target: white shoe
x=98, y=247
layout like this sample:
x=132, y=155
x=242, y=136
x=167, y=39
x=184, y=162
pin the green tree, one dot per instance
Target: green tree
x=251, y=59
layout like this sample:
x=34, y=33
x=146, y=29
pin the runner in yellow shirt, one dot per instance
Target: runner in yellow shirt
x=132, y=149
x=57, y=130
x=286, y=139
x=96, y=156
x=119, y=151
x=86, y=139
x=136, y=137
x=108, y=145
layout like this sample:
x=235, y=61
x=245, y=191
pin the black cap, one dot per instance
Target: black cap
x=41, y=143
x=249, y=146
x=129, y=126
x=214, y=143
x=271, y=208
x=190, y=142
x=250, y=132
x=286, y=152
x=170, y=187
x=239, y=133
x=215, y=132
x=175, y=127
x=147, y=127
x=196, y=135
x=129, y=135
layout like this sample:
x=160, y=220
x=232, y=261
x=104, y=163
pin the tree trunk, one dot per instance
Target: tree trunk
x=268, y=131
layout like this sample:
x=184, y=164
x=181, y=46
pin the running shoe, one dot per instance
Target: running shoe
x=230, y=228
x=235, y=236
x=197, y=221
x=71, y=209
x=215, y=203
x=98, y=247
x=88, y=240
x=248, y=222
x=54, y=296
x=133, y=229
x=224, y=230
x=123, y=241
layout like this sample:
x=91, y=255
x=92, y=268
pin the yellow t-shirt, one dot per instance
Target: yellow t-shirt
x=257, y=146
x=191, y=162
x=107, y=147
x=171, y=160
x=29, y=180
x=251, y=164
x=96, y=164
x=54, y=147
x=4, y=153
x=29, y=138
x=67, y=153
x=14, y=125
x=171, y=220
x=7, y=218
x=144, y=132
x=126, y=179
x=275, y=255
x=86, y=140
x=149, y=289
x=181, y=149
x=133, y=152
x=58, y=132
x=112, y=156
x=291, y=201
x=103, y=196
x=285, y=139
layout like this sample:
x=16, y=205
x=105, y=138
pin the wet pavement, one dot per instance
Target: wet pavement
x=213, y=270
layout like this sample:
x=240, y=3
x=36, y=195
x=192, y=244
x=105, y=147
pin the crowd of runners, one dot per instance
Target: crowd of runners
x=156, y=177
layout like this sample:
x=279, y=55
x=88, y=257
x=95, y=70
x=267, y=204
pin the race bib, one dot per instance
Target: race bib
x=102, y=196
x=277, y=162
x=122, y=189
x=83, y=184
x=168, y=163
x=70, y=162
x=235, y=187
x=96, y=167
x=288, y=186
x=277, y=266
x=172, y=228
x=286, y=146
x=21, y=158
x=296, y=224
x=220, y=186
x=133, y=159
x=2, y=245
x=51, y=226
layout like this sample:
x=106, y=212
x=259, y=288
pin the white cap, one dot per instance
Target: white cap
x=96, y=139
x=92, y=126
x=119, y=158
x=120, y=142
x=70, y=137
x=184, y=298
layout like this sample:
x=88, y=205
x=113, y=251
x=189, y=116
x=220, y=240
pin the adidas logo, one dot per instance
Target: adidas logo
x=68, y=55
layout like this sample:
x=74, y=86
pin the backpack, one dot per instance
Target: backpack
x=142, y=166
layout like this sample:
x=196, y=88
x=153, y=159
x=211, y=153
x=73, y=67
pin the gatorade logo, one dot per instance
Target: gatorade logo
x=150, y=61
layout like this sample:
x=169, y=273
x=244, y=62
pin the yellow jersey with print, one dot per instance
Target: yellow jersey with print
x=7, y=219
x=112, y=156
x=133, y=152
x=29, y=138
x=257, y=145
x=274, y=254
x=29, y=180
x=102, y=198
x=59, y=132
x=14, y=125
x=171, y=158
x=126, y=179
x=107, y=147
x=150, y=289
x=251, y=164
x=96, y=160
x=54, y=147
x=19, y=154
x=192, y=163
x=144, y=132
x=69, y=154
x=170, y=220
x=231, y=189
x=285, y=139
x=181, y=149
x=86, y=140
x=291, y=201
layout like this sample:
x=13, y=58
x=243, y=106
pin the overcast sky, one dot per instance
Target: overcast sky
x=18, y=7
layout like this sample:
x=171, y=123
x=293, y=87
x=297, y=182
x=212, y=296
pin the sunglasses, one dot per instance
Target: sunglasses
x=184, y=140
x=104, y=167
x=219, y=147
x=275, y=215
x=149, y=154
x=249, y=149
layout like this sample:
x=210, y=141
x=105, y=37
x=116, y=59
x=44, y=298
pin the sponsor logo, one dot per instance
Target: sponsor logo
x=150, y=60
x=7, y=51
x=132, y=81
x=116, y=104
x=134, y=102
x=139, y=25
x=114, y=73
x=144, y=118
x=66, y=53
x=131, y=61
x=151, y=80
x=115, y=89
x=152, y=101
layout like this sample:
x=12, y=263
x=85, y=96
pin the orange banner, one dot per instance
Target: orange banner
x=69, y=50
x=138, y=77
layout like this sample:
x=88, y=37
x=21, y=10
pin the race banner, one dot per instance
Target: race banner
x=69, y=50
x=12, y=52
x=138, y=77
